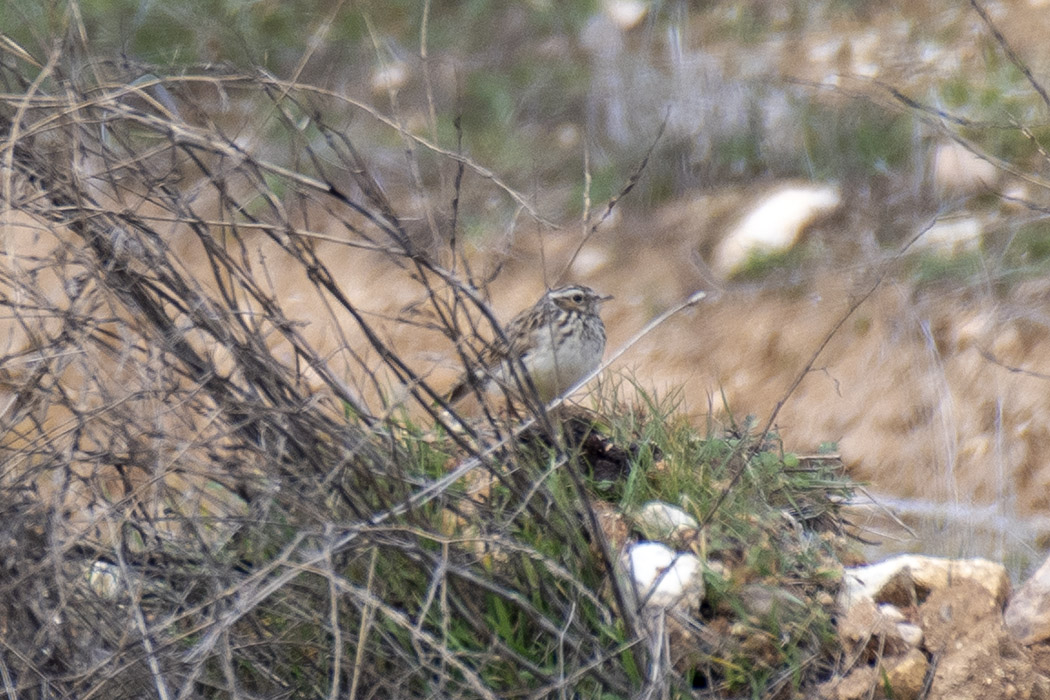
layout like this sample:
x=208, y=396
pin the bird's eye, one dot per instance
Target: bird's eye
x=577, y=298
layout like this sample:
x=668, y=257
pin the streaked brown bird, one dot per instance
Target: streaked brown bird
x=559, y=340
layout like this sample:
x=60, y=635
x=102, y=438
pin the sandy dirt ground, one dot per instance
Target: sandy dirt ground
x=935, y=396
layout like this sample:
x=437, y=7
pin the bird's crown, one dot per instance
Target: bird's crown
x=576, y=297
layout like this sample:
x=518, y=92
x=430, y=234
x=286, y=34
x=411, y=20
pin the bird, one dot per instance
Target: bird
x=558, y=340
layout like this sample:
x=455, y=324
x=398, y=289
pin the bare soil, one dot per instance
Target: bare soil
x=934, y=395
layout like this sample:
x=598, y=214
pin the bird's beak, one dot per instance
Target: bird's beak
x=605, y=298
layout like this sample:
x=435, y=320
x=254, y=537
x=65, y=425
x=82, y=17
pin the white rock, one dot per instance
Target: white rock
x=774, y=224
x=891, y=612
x=928, y=573
x=625, y=14
x=104, y=579
x=567, y=136
x=823, y=51
x=659, y=520
x=1028, y=614
x=957, y=170
x=588, y=261
x=864, y=53
x=662, y=577
x=866, y=70
x=391, y=76
x=865, y=630
x=911, y=634
x=951, y=235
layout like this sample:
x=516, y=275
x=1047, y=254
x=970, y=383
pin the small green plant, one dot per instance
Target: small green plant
x=859, y=140
x=936, y=268
x=763, y=264
x=771, y=534
x=1029, y=248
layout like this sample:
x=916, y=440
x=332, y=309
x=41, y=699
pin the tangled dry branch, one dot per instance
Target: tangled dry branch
x=202, y=495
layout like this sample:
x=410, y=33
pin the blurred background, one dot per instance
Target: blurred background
x=859, y=186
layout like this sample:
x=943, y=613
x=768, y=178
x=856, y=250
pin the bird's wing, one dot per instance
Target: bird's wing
x=515, y=340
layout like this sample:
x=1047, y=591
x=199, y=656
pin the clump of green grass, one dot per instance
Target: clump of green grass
x=856, y=140
x=1028, y=249
x=363, y=549
x=771, y=533
x=499, y=584
x=764, y=264
x=930, y=269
